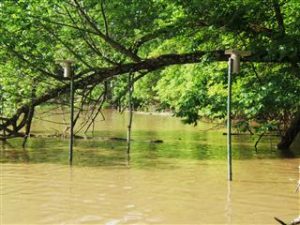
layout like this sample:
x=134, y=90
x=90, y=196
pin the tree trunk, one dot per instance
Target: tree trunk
x=290, y=134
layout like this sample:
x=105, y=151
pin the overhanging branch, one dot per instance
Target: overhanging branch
x=97, y=75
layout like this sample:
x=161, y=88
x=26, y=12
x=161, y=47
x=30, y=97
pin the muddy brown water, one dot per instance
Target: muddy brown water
x=179, y=181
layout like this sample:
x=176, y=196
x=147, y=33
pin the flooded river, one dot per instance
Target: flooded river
x=182, y=180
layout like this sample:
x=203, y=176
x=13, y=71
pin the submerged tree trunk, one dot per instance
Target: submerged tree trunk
x=28, y=126
x=29, y=117
x=290, y=134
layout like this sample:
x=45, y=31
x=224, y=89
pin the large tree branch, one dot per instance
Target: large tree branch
x=98, y=75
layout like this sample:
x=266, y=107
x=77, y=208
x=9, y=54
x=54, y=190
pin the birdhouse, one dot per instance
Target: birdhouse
x=236, y=55
x=66, y=65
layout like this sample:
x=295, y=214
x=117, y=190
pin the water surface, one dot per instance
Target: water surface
x=180, y=181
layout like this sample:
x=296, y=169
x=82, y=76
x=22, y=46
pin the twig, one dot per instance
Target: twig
x=280, y=221
x=258, y=140
x=92, y=122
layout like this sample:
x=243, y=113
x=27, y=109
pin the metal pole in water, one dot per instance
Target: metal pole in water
x=1, y=108
x=229, y=150
x=71, y=119
x=2, y=112
x=233, y=68
x=2, y=115
x=66, y=64
x=130, y=115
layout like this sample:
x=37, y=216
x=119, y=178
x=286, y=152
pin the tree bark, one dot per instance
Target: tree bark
x=290, y=134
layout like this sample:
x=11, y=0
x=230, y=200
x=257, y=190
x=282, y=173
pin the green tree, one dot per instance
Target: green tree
x=110, y=38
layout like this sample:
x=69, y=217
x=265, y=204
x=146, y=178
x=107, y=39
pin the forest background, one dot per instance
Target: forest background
x=171, y=53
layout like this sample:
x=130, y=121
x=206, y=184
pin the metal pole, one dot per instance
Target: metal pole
x=68, y=73
x=1, y=109
x=71, y=118
x=130, y=115
x=2, y=112
x=229, y=150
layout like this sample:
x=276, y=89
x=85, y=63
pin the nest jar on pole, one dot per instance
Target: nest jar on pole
x=233, y=68
x=68, y=73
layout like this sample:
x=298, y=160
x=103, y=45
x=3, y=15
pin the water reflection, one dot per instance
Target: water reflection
x=179, y=140
x=108, y=149
x=228, y=208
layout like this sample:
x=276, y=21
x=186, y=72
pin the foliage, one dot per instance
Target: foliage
x=102, y=34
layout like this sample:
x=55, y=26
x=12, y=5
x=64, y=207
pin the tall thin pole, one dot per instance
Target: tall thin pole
x=2, y=112
x=68, y=73
x=229, y=150
x=71, y=118
x=130, y=108
x=1, y=109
